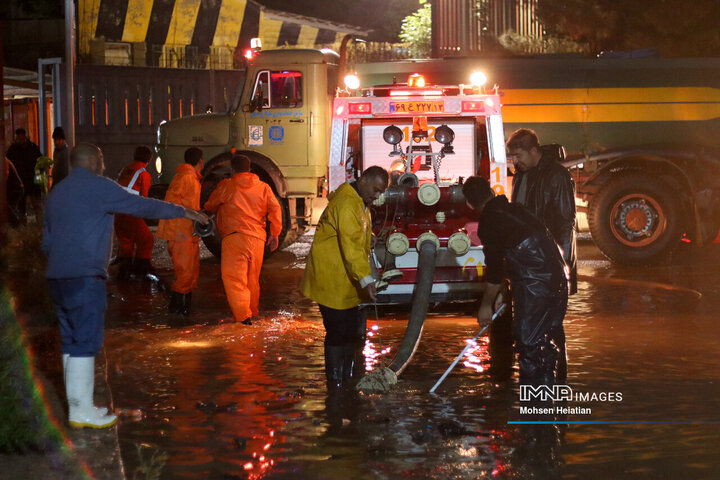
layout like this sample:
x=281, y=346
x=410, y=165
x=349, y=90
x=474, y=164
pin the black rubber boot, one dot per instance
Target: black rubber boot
x=125, y=268
x=143, y=268
x=175, y=302
x=353, y=363
x=185, y=306
x=334, y=365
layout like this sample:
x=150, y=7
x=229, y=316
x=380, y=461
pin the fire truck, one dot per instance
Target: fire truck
x=430, y=137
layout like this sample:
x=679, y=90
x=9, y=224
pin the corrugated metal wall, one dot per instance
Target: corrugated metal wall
x=119, y=109
x=468, y=27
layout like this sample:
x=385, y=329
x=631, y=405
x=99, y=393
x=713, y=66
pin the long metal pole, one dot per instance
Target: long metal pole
x=469, y=344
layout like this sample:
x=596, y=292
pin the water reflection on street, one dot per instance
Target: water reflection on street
x=226, y=400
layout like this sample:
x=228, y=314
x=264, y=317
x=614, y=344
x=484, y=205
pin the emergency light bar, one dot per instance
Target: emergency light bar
x=416, y=80
x=476, y=106
x=360, y=107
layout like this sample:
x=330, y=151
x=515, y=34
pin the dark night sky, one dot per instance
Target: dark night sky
x=383, y=16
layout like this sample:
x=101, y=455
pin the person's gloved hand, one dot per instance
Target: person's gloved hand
x=272, y=242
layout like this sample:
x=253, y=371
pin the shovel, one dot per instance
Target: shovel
x=467, y=347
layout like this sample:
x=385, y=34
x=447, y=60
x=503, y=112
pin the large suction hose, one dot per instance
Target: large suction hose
x=419, y=308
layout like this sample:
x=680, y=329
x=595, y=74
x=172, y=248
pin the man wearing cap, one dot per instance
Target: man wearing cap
x=61, y=165
x=184, y=247
x=77, y=234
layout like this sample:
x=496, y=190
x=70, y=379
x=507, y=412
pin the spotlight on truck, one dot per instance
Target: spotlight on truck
x=393, y=136
x=445, y=135
x=352, y=82
x=478, y=79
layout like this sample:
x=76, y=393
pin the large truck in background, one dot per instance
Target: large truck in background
x=641, y=135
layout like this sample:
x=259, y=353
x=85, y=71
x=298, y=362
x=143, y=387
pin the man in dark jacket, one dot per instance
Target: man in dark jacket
x=24, y=154
x=61, y=165
x=77, y=234
x=518, y=246
x=546, y=188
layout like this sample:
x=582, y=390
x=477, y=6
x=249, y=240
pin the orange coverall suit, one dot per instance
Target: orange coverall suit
x=242, y=203
x=133, y=234
x=184, y=247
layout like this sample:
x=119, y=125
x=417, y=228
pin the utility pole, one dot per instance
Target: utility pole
x=3, y=166
x=68, y=79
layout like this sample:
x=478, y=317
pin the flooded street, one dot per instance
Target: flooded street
x=230, y=401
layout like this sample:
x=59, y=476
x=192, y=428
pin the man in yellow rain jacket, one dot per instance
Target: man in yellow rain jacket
x=184, y=247
x=242, y=203
x=338, y=276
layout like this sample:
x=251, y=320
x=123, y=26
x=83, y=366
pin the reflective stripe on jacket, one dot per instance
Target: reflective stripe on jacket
x=142, y=184
x=339, y=255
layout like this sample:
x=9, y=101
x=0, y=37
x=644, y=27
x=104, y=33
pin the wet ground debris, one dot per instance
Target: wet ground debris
x=379, y=380
x=444, y=429
x=240, y=443
x=212, y=407
x=151, y=464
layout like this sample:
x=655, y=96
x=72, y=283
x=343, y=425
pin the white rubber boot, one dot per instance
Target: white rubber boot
x=100, y=410
x=79, y=384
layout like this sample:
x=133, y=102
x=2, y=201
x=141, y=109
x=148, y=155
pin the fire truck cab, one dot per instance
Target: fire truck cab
x=430, y=138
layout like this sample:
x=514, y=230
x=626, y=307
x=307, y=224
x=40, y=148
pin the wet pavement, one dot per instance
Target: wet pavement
x=229, y=401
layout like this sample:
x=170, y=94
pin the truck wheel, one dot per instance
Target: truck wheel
x=635, y=219
x=221, y=170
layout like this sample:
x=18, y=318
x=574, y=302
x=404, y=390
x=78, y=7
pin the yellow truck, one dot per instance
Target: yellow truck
x=280, y=119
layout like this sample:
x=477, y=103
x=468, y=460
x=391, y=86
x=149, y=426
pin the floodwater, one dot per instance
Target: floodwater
x=229, y=401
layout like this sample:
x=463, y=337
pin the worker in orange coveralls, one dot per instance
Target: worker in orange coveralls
x=135, y=242
x=184, y=247
x=242, y=203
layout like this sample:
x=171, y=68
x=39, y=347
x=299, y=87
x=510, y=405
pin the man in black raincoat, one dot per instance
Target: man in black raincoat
x=545, y=187
x=514, y=238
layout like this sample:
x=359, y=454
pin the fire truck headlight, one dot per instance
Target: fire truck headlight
x=478, y=79
x=392, y=135
x=397, y=244
x=444, y=134
x=158, y=165
x=352, y=82
x=459, y=243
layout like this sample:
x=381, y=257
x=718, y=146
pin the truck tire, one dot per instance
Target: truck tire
x=635, y=219
x=220, y=170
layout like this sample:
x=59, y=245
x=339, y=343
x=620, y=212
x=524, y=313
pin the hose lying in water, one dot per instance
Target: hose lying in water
x=381, y=379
